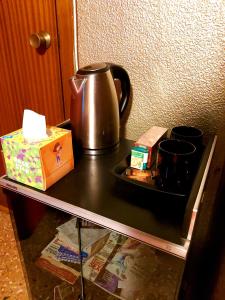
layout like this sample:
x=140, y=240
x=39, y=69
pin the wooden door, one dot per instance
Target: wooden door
x=33, y=78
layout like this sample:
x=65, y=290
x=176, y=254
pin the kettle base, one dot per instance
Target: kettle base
x=100, y=151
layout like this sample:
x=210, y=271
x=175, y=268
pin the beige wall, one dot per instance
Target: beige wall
x=173, y=51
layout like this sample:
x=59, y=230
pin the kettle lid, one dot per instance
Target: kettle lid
x=93, y=68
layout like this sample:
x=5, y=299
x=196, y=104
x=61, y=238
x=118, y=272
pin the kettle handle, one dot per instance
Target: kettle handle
x=119, y=73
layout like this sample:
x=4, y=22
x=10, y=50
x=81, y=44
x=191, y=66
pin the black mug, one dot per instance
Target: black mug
x=188, y=133
x=174, y=165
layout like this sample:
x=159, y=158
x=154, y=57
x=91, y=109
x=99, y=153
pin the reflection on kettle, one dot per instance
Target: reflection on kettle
x=95, y=110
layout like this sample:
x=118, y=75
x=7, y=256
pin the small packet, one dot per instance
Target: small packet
x=139, y=157
x=140, y=175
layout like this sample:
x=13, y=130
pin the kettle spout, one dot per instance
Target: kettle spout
x=76, y=84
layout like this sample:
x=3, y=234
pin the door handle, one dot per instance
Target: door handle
x=40, y=40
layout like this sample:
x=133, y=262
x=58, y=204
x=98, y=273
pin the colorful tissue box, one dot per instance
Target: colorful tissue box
x=38, y=164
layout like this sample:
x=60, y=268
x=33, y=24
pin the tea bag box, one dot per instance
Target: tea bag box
x=38, y=164
x=150, y=139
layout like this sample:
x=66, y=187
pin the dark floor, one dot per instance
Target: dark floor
x=12, y=280
x=218, y=288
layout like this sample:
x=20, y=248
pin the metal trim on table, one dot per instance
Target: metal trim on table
x=200, y=194
x=151, y=240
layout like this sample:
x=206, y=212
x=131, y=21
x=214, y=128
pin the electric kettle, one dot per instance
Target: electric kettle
x=95, y=109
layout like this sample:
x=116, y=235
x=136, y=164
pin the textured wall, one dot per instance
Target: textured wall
x=173, y=51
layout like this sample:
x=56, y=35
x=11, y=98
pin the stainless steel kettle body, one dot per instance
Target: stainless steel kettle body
x=95, y=108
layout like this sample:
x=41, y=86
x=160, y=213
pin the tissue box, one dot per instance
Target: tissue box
x=151, y=139
x=38, y=164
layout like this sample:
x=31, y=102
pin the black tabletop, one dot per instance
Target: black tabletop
x=92, y=191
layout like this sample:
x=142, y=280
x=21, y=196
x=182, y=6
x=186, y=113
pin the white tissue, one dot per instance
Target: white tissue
x=34, y=126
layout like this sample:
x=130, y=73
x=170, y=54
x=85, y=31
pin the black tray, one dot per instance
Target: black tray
x=119, y=172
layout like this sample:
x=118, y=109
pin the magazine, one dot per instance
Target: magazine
x=68, y=233
x=121, y=266
x=58, y=269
